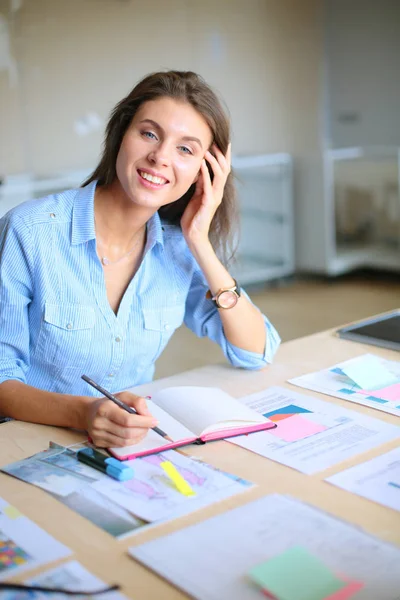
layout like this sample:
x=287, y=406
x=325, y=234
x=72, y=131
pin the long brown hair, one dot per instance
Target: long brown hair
x=188, y=87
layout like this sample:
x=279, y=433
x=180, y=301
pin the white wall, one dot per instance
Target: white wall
x=363, y=60
x=79, y=57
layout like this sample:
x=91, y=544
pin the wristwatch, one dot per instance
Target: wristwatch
x=225, y=297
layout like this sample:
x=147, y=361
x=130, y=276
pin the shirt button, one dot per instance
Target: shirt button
x=111, y=374
x=69, y=325
x=52, y=215
x=118, y=339
x=166, y=326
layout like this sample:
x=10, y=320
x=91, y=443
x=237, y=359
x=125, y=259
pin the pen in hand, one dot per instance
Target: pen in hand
x=119, y=402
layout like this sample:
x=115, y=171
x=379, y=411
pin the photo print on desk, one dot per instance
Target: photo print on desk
x=58, y=472
x=23, y=544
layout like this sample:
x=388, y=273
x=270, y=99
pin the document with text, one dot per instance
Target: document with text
x=367, y=379
x=212, y=559
x=377, y=479
x=311, y=435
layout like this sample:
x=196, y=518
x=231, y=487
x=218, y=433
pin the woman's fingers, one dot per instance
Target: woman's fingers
x=121, y=417
x=216, y=167
x=125, y=433
x=207, y=184
x=220, y=161
x=108, y=439
x=137, y=402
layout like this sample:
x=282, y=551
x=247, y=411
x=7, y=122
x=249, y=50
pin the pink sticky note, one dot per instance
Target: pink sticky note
x=296, y=428
x=391, y=392
x=347, y=592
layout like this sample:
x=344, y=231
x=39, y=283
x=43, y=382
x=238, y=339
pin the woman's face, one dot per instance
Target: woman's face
x=161, y=152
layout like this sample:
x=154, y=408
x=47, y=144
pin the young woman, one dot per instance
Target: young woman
x=95, y=280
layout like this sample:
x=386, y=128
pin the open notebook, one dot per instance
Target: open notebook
x=191, y=415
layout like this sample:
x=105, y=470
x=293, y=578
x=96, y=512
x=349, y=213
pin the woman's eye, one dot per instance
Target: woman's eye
x=149, y=134
x=185, y=149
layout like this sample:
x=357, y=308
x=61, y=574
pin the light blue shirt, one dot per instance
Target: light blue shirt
x=55, y=319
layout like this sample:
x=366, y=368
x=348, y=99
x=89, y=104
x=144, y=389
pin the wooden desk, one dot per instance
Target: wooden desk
x=107, y=558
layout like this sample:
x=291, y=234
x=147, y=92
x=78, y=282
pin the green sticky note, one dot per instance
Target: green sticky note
x=296, y=575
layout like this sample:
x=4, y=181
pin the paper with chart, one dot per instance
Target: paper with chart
x=151, y=495
x=69, y=576
x=377, y=479
x=311, y=434
x=23, y=544
x=211, y=560
x=340, y=380
x=57, y=471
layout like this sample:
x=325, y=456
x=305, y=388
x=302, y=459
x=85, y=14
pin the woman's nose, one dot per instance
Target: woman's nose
x=160, y=156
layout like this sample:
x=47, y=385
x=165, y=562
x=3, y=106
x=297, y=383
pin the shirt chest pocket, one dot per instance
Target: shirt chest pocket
x=159, y=325
x=65, y=336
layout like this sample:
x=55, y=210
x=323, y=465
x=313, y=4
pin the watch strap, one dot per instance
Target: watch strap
x=234, y=288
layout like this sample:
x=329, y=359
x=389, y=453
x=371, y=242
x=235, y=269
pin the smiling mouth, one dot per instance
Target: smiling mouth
x=153, y=178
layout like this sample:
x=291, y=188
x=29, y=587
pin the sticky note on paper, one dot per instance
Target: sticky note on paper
x=12, y=512
x=179, y=481
x=368, y=372
x=351, y=588
x=296, y=575
x=391, y=393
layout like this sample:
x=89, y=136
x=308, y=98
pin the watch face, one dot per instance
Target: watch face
x=227, y=299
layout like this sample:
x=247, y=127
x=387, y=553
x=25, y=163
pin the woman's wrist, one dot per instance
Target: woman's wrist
x=202, y=250
x=83, y=405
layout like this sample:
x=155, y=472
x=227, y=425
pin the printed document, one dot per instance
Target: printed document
x=211, y=560
x=311, y=435
x=377, y=479
x=23, y=544
x=359, y=380
x=152, y=496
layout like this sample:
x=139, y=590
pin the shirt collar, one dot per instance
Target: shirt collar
x=155, y=231
x=83, y=215
x=83, y=228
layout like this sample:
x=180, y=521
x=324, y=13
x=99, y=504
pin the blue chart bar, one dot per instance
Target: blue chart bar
x=375, y=399
x=393, y=484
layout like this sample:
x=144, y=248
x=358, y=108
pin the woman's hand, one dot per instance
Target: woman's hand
x=199, y=213
x=110, y=426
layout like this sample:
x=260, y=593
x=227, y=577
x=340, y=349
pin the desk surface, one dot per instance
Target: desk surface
x=107, y=558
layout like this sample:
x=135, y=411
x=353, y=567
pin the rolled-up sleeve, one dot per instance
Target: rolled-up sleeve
x=16, y=276
x=202, y=317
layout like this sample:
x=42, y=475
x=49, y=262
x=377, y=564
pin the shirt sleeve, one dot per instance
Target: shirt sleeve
x=202, y=317
x=16, y=277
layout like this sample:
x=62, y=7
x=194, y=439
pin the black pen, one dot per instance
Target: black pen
x=118, y=402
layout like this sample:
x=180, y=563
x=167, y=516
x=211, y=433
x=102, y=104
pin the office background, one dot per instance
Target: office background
x=316, y=80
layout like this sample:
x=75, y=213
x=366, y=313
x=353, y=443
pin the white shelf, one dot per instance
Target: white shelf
x=363, y=192
x=354, y=256
x=264, y=186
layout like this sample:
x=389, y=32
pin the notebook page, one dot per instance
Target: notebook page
x=205, y=408
x=175, y=430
